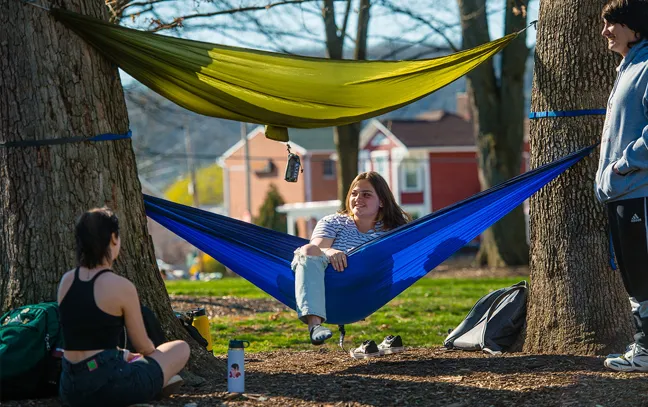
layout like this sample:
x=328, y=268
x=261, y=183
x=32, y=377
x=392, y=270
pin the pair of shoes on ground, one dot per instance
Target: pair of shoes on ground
x=318, y=334
x=369, y=349
x=634, y=359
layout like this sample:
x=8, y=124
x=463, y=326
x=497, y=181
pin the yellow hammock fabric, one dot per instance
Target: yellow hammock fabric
x=268, y=88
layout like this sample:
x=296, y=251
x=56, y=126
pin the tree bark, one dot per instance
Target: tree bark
x=347, y=138
x=577, y=303
x=497, y=106
x=54, y=85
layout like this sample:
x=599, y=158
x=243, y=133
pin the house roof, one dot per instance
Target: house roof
x=434, y=129
x=301, y=140
x=313, y=139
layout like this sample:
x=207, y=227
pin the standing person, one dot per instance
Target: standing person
x=370, y=211
x=622, y=176
x=95, y=306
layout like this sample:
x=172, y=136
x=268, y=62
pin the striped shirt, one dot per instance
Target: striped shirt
x=343, y=229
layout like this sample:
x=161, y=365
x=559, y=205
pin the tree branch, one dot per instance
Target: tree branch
x=424, y=21
x=345, y=21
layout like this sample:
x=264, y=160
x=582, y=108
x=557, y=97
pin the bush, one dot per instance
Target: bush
x=268, y=215
x=210, y=187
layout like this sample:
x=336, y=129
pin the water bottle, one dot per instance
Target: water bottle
x=235, y=366
x=201, y=323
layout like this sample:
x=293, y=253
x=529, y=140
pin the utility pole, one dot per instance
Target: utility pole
x=193, y=186
x=246, y=150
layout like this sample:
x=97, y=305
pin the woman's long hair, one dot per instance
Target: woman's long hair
x=391, y=215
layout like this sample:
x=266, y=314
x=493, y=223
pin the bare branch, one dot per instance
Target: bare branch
x=345, y=21
x=426, y=22
x=162, y=25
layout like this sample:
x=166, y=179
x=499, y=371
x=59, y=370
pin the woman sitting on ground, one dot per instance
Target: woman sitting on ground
x=95, y=305
x=370, y=211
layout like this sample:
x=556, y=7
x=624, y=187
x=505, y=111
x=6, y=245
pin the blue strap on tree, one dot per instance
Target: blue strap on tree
x=65, y=140
x=566, y=113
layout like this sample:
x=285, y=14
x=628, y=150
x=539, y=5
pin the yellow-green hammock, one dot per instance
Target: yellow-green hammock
x=268, y=88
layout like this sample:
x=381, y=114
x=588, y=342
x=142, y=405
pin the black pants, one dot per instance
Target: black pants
x=629, y=228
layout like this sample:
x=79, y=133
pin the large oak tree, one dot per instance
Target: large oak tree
x=53, y=85
x=577, y=302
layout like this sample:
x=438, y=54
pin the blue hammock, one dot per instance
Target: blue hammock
x=378, y=270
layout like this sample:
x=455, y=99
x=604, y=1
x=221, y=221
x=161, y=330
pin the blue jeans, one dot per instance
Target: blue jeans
x=106, y=379
x=309, y=285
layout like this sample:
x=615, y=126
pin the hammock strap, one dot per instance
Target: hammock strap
x=342, y=334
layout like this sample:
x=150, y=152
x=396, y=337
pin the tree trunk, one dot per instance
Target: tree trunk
x=347, y=138
x=577, y=303
x=498, y=117
x=54, y=85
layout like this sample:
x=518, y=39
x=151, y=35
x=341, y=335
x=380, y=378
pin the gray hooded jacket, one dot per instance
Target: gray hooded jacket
x=625, y=132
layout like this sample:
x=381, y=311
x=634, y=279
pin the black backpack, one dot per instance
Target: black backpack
x=494, y=322
x=153, y=330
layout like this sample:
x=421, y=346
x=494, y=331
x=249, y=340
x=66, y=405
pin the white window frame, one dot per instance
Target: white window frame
x=383, y=156
x=419, y=175
x=364, y=161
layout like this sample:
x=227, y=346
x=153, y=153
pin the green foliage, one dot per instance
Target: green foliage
x=268, y=215
x=211, y=265
x=210, y=187
x=422, y=314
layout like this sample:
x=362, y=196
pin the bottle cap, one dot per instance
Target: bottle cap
x=236, y=344
x=198, y=312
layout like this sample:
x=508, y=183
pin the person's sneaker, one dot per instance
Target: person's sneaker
x=616, y=355
x=391, y=344
x=172, y=386
x=318, y=334
x=368, y=349
x=635, y=359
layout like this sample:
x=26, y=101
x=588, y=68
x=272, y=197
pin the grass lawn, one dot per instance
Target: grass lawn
x=422, y=314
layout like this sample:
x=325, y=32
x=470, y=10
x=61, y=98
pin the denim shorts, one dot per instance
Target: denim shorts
x=106, y=379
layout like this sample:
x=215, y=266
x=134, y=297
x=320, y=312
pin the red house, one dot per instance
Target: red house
x=429, y=163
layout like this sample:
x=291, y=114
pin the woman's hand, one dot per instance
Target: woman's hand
x=337, y=259
x=130, y=356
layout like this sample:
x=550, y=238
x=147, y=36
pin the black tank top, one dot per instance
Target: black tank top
x=85, y=325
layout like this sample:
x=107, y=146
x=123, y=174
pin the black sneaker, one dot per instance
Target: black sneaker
x=391, y=344
x=368, y=349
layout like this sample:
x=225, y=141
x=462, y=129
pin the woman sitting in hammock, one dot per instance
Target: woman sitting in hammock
x=370, y=211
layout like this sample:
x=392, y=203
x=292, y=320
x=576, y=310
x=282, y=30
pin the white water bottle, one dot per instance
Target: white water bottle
x=235, y=366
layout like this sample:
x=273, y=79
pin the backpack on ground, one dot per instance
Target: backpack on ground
x=186, y=319
x=494, y=322
x=30, y=364
x=153, y=330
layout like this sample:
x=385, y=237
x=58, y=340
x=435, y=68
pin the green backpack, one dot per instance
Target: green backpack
x=29, y=339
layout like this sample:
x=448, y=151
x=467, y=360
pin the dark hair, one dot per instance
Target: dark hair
x=93, y=232
x=631, y=13
x=390, y=214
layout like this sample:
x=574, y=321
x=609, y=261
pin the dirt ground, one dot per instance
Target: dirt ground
x=417, y=377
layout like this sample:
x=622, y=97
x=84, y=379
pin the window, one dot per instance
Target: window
x=380, y=164
x=411, y=176
x=328, y=169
